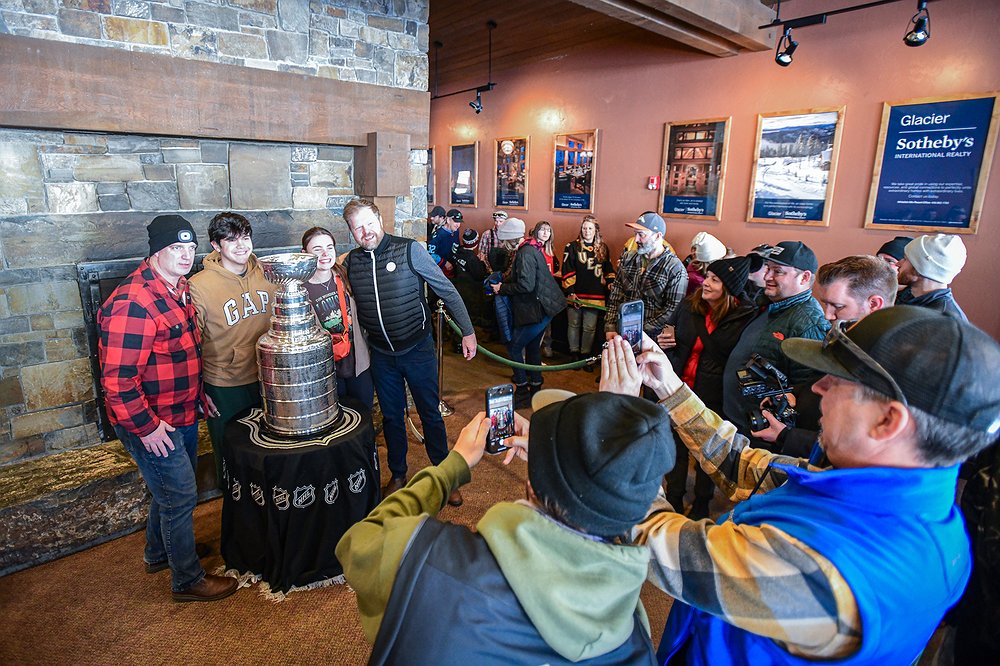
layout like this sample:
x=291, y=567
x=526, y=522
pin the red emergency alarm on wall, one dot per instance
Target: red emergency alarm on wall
x=654, y=183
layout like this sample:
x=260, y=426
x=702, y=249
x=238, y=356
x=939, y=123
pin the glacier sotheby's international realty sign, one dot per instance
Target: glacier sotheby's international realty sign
x=930, y=168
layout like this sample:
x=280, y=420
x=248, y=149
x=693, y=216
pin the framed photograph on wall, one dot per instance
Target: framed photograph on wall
x=930, y=165
x=795, y=165
x=510, y=170
x=694, y=168
x=463, y=170
x=574, y=166
x=430, y=176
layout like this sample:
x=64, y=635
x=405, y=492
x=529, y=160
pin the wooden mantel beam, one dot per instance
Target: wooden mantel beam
x=58, y=85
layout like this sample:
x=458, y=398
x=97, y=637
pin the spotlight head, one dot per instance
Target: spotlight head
x=477, y=104
x=920, y=33
x=921, y=22
x=786, y=47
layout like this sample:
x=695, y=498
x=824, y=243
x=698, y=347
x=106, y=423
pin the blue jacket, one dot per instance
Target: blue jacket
x=895, y=536
x=442, y=245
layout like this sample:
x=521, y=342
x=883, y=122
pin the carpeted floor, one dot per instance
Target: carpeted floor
x=100, y=607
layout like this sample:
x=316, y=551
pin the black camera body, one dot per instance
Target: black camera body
x=759, y=379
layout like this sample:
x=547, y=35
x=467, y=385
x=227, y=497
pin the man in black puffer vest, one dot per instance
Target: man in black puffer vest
x=546, y=580
x=387, y=274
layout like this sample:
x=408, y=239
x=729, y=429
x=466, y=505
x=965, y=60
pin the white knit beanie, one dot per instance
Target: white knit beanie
x=512, y=229
x=937, y=257
x=707, y=248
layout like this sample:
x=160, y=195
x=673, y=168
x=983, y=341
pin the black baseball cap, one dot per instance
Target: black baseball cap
x=756, y=261
x=939, y=364
x=895, y=247
x=437, y=211
x=795, y=254
x=455, y=214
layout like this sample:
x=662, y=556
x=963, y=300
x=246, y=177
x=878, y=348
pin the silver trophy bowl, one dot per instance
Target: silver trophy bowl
x=298, y=381
x=289, y=268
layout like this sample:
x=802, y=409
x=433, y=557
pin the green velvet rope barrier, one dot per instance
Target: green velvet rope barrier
x=524, y=366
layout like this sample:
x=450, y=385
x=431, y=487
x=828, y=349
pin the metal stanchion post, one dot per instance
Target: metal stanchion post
x=443, y=407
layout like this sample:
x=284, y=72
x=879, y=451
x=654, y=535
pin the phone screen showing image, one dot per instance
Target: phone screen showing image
x=500, y=411
x=630, y=322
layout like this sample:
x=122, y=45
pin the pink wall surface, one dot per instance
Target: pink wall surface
x=629, y=91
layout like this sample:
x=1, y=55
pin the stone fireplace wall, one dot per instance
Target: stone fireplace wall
x=70, y=196
x=383, y=42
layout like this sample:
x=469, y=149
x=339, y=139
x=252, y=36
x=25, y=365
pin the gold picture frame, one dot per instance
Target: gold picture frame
x=693, y=172
x=510, y=172
x=795, y=166
x=574, y=169
x=932, y=163
x=463, y=171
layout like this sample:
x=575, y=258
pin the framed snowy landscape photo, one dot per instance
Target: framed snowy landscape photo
x=795, y=166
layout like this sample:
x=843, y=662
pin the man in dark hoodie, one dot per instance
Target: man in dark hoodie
x=547, y=579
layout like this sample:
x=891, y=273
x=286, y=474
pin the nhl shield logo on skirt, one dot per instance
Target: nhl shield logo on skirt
x=280, y=497
x=257, y=493
x=356, y=481
x=304, y=496
x=331, y=491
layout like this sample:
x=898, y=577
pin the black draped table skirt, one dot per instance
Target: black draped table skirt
x=288, y=500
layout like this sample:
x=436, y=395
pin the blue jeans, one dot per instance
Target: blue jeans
x=417, y=369
x=171, y=482
x=577, y=320
x=525, y=347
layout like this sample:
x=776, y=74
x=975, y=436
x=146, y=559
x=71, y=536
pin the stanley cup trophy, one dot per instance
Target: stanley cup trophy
x=298, y=382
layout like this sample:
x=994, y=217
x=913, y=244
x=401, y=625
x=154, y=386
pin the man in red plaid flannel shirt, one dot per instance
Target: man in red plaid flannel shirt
x=150, y=355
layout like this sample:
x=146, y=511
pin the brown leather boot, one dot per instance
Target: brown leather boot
x=455, y=499
x=395, y=483
x=209, y=588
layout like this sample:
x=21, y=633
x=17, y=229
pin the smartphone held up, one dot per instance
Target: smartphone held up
x=500, y=412
x=631, y=318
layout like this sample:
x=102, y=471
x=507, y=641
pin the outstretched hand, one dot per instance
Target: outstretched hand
x=517, y=446
x=471, y=441
x=655, y=369
x=619, y=371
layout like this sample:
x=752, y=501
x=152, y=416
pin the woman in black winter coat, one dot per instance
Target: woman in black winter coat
x=709, y=323
x=535, y=298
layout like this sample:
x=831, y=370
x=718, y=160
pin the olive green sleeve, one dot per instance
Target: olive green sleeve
x=372, y=549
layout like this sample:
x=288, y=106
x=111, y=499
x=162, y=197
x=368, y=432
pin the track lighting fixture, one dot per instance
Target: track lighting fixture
x=476, y=104
x=919, y=27
x=785, y=48
x=921, y=22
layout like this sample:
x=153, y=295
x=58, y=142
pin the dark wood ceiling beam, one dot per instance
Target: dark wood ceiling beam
x=733, y=20
x=638, y=14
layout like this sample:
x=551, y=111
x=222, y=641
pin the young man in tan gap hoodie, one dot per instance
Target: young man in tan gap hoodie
x=233, y=302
